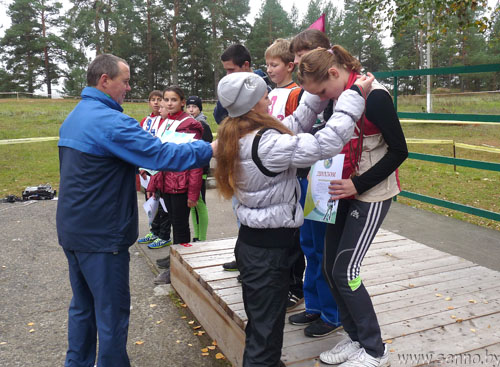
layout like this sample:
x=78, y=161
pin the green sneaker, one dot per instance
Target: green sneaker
x=159, y=243
x=150, y=237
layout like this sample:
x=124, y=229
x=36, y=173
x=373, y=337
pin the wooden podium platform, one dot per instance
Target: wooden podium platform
x=432, y=307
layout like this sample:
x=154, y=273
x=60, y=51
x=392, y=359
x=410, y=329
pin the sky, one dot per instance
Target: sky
x=255, y=6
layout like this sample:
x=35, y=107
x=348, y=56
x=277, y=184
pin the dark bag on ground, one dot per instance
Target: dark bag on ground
x=42, y=192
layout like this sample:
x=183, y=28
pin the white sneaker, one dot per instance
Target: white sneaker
x=340, y=353
x=362, y=359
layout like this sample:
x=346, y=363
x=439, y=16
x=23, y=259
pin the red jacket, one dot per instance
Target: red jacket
x=189, y=181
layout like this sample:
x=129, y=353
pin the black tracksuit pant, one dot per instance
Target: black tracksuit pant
x=265, y=275
x=161, y=224
x=346, y=244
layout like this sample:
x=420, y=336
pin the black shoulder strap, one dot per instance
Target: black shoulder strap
x=255, y=156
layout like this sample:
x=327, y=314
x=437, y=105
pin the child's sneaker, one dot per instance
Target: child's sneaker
x=340, y=353
x=363, y=359
x=159, y=243
x=149, y=238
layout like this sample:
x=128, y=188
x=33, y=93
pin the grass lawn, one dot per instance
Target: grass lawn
x=31, y=164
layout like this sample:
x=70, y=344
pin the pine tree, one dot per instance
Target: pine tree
x=362, y=39
x=228, y=25
x=29, y=46
x=271, y=23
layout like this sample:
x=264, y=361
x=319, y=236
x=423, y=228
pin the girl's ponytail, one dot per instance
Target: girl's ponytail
x=344, y=58
x=315, y=64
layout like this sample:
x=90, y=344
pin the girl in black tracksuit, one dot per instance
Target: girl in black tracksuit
x=368, y=183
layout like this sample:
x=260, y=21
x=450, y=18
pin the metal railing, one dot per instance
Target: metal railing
x=446, y=117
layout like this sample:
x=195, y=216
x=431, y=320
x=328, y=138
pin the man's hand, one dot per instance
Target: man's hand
x=191, y=203
x=340, y=189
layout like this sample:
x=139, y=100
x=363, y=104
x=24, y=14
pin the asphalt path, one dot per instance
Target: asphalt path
x=35, y=291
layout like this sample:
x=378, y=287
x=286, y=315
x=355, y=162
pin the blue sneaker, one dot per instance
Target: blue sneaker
x=149, y=238
x=159, y=243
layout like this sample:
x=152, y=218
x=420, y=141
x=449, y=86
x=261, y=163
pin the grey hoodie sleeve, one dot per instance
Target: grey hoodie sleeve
x=278, y=152
x=304, y=117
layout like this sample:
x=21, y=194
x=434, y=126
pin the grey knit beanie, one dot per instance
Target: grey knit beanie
x=239, y=92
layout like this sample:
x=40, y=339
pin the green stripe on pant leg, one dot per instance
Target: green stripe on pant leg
x=199, y=217
x=355, y=283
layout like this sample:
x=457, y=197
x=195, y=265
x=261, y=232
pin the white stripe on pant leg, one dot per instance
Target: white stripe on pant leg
x=357, y=257
x=371, y=235
x=367, y=224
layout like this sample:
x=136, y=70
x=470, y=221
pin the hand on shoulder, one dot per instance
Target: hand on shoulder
x=365, y=82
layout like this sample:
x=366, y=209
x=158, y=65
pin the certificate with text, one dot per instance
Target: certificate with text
x=319, y=206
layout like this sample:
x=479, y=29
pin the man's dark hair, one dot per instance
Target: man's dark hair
x=238, y=54
x=103, y=64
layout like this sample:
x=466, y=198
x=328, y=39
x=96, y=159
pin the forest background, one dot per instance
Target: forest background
x=179, y=42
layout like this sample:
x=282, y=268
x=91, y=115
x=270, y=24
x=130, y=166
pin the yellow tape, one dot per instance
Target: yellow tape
x=428, y=141
x=414, y=121
x=475, y=147
x=28, y=140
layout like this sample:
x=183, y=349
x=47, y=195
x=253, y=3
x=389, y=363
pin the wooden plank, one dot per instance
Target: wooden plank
x=426, y=280
x=474, y=291
x=389, y=237
x=200, y=255
x=214, y=285
x=209, y=260
x=397, y=324
x=449, y=339
x=215, y=273
x=230, y=337
x=487, y=356
x=398, y=246
x=402, y=266
x=307, y=348
x=439, y=287
x=418, y=255
x=402, y=275
x=399, y=275
x=221, y=244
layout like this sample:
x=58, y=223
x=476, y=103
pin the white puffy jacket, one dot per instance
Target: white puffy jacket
x=272, y=202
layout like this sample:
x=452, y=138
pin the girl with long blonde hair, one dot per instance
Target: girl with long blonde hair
x=257, y=157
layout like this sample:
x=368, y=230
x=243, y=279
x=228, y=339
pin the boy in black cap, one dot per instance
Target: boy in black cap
x=199, y=213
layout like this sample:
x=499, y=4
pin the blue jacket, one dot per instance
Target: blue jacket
x=100, y=149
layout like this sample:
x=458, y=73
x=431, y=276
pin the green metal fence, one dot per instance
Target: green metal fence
x=442, y=117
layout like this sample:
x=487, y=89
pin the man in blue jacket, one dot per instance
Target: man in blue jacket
x=100, y=149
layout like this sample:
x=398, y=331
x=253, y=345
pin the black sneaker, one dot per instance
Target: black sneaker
x=163, y=263
x=163, y=259
x=163, y=278
x=293, y=301
x=320, y=328
x=303, y=318
x=230, y=266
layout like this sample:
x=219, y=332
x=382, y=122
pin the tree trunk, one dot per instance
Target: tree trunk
x=150, y=47
x=213, y=15
x=107, y=14
x=46, y=54
x=97, y=19
x=175, y=45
